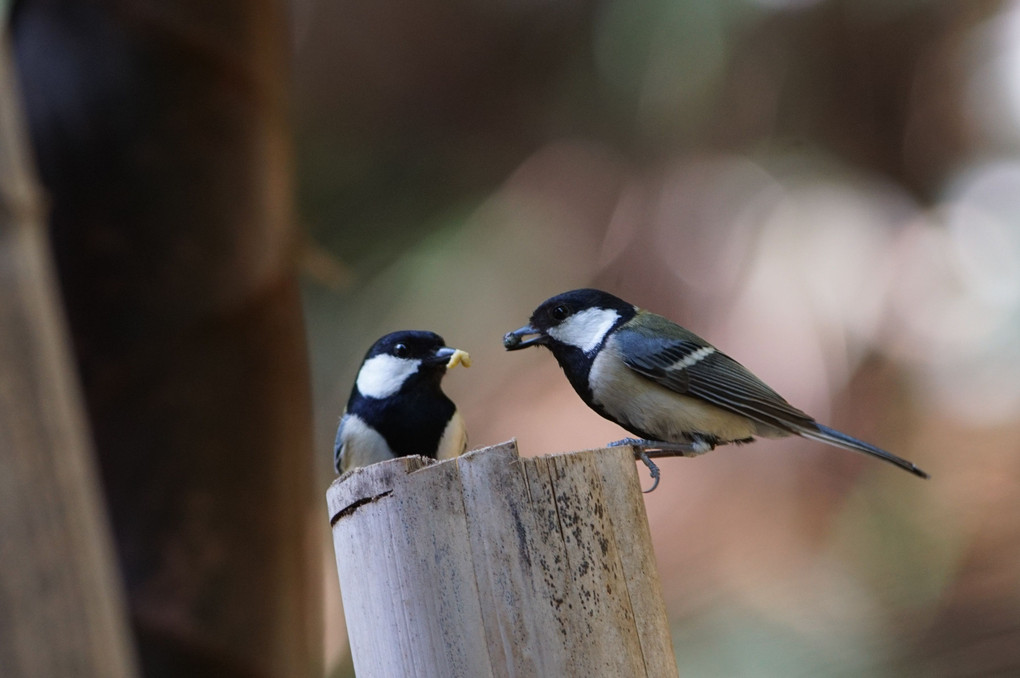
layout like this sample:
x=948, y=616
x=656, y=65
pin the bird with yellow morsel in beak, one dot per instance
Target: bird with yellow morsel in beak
x=397, y=406
x=661, y=382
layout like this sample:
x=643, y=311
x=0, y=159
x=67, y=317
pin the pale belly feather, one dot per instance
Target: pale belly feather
x=645, y=405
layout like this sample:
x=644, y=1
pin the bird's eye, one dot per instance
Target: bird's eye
x=560, y=312
x=400, y=350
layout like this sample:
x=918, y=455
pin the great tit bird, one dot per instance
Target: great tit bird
x=397, y=406
x=661, y=382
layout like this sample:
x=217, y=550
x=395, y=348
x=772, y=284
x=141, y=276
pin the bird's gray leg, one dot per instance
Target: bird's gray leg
x=653, y=470
x=658, y=448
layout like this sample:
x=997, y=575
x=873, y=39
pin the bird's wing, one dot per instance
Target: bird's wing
x=454, y=440
x=683, y=362
x=338, y=443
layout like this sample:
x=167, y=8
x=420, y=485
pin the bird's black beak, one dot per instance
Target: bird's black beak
x=513, y=341
x=442, y=356
x=451, y=357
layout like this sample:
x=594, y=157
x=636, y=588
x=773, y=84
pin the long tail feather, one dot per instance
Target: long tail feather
x=831, y=436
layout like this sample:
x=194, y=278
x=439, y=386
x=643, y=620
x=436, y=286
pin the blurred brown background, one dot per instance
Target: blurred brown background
x=827, y=190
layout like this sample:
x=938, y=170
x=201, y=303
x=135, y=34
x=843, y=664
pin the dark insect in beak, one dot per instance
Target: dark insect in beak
x=513, y=341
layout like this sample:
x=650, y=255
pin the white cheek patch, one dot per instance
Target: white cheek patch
x=586, y=329
x=383, y=375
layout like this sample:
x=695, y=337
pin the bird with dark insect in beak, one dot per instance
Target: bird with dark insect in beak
x=663, y=383
x=397, y=406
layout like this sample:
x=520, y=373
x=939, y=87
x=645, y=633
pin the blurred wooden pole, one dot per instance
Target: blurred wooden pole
x=61, y=606
x=163, y=139
x=493, y=565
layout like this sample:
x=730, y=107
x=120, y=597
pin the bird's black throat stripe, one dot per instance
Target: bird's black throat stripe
x=576, y=365
x=412, y=421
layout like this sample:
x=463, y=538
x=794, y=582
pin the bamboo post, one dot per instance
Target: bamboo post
x=493, y=565
x=62, y=611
